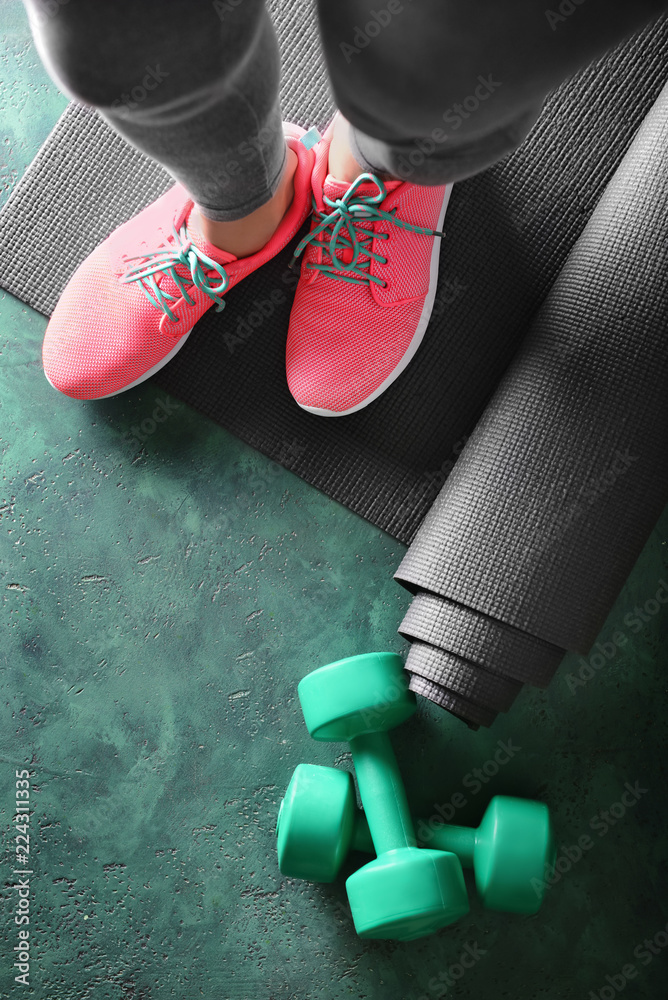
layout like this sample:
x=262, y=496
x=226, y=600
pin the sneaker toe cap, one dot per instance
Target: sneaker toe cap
x=99, y=340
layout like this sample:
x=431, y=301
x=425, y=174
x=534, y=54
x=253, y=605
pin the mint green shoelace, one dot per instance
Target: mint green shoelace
x=346, y=211
x=187, y=254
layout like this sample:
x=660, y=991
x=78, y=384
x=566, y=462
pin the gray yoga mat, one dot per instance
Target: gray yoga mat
x=537, y=528
x=508, y=232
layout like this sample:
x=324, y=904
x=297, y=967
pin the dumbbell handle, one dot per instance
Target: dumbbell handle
x=387, y=817
x=459, y=840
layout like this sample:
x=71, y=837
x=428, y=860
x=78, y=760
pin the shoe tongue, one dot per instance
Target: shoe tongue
x=195, y=234
x=334, y=188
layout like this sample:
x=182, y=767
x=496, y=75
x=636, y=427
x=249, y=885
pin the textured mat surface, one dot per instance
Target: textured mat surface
x=508, y=232
x=561, y=483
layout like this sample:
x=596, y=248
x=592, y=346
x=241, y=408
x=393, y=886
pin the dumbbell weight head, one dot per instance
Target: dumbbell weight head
x=513, y=846
x=360, y=694
x=315, y=823
x=407, y=894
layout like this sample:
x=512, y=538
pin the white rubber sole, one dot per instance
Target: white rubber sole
x=416, y=340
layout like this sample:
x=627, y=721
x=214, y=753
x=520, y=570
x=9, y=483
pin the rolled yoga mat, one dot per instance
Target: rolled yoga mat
x=554, y=495
x=508, y=231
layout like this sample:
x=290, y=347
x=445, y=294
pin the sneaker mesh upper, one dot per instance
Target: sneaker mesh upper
x=346, y=339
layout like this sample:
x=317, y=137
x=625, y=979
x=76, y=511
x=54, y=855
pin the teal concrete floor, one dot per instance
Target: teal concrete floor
x=161, y=600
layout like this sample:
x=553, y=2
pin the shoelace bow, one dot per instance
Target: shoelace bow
x=186, y=254
x=346, y=211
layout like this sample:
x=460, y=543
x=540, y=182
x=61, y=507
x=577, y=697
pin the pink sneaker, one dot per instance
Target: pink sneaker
x=355, y=326
x=131, y=305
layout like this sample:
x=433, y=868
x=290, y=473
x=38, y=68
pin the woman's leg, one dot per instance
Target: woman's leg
x=195, y=86
x=438, y=90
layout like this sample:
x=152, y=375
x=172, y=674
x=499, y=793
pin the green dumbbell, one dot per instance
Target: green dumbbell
x=407, y=891
x=319, y=822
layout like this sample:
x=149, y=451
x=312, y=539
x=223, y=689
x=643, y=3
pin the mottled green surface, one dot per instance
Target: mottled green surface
x=161, y=600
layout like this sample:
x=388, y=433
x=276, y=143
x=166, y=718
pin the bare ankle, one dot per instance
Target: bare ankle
x=342, y=164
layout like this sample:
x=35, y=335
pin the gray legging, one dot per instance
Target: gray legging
x=435, y=90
